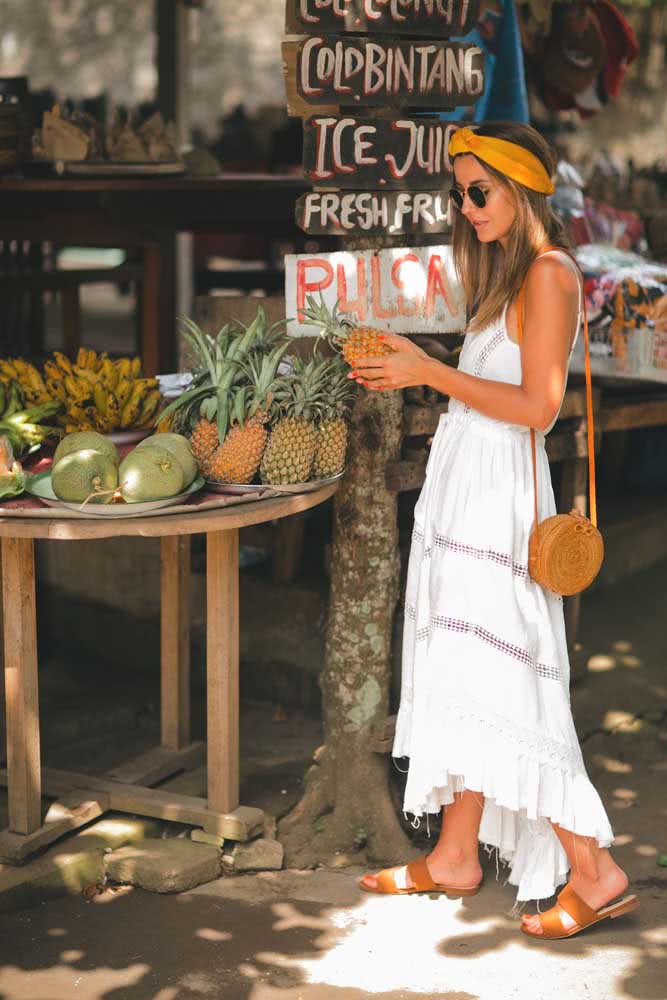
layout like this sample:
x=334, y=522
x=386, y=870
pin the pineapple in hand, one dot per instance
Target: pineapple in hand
x=351, y=339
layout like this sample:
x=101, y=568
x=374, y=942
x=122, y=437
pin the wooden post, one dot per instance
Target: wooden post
x=222, y=669
x=152, y=335
x=172, y=26
x=175, y=641
x=21, y=693
x=70, y=309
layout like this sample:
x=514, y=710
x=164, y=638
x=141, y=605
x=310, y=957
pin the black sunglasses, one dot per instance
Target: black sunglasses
x=476, y=195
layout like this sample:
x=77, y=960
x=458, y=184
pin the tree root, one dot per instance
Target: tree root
x=360, y=825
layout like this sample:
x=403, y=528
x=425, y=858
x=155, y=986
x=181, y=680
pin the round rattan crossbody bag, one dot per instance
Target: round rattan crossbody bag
x=565, y=551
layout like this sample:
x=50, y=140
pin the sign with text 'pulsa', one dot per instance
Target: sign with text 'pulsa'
x=434, y=18
x=327, y=71
x=372, y=213
x=407, y=153
x=402, y=290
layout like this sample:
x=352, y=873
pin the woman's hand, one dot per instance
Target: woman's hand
x=407, y=365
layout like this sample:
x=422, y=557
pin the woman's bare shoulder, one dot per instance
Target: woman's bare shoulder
x=551, y=275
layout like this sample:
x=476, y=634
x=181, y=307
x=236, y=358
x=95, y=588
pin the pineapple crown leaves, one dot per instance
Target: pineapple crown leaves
x=335, y=326
x=264, y=337
x=339, y=390
x=302, y=392
x=220, y=358
x=261, y=379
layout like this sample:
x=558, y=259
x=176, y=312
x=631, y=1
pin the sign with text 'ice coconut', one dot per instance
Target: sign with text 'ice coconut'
x=433, y=18
x=402, y=290
x=333, y=71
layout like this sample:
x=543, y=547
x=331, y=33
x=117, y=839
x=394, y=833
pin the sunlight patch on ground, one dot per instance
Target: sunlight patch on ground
x=427, y=945
x=611, y=765
x=601, y=662
x=61, y=981
x=622, y=722
x=621, y=646
x=211, y=934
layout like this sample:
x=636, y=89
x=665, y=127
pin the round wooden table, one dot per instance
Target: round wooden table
x=82, y=797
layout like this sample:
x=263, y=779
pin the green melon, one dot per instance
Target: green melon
x=179, y=447
x=81, y=473
x=82, y=440
x=150, y=473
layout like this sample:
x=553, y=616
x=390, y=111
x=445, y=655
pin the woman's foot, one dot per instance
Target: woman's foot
x=454, y=870
x=595, y=892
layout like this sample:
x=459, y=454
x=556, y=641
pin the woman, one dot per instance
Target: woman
x=485, y=714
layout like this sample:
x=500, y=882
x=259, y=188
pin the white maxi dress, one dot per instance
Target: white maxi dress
x=485, y=701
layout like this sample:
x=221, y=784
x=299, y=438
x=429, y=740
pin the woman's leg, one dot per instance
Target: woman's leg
x=454, y=860
x=594, y=876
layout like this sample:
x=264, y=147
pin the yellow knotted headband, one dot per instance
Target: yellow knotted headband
x=508, y=158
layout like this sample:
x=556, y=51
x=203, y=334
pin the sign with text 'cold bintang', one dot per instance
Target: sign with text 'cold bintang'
x=376, y=153
x=372, y=213
x=403, y=290
x=327, y=71
x=433, y=18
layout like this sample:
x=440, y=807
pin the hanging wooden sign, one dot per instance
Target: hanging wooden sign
x=406, y=153
x=366, y=213
x=326, y=70
x=433, y=18
x=403, y=290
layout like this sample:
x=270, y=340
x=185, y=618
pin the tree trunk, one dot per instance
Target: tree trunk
x=347, y=803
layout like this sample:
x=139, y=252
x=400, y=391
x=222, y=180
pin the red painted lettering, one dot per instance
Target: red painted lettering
x=358, y=305
x=436, y=284
x=304, y=286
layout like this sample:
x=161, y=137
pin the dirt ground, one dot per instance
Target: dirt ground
x=314, y=936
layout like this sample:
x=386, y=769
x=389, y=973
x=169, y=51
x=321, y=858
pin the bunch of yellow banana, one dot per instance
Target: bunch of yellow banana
x=28, y=377
x=100, y=393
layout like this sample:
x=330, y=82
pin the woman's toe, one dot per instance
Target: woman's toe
x=370, y=881
x=533, y=924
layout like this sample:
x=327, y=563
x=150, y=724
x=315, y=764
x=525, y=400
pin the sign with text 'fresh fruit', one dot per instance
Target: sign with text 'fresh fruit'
x=408, y=154
x=434, y=18
x=402, y=290
x=347, y=213
x=326, y=71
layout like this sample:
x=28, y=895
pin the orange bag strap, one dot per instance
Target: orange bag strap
x=589, y=406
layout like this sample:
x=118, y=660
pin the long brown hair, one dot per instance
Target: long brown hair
x=491, y=276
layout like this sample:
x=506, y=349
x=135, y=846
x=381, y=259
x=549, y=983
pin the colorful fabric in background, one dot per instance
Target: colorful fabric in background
x=626, y=301
x=505, y=97
x=578, y=58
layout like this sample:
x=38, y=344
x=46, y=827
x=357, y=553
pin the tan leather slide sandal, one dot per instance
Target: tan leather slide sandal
x=421, y=882
x=580, y=912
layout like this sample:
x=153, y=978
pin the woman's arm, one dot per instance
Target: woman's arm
x=550, y=317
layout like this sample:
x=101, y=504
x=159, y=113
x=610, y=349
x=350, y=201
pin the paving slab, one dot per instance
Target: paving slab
x=164, y=865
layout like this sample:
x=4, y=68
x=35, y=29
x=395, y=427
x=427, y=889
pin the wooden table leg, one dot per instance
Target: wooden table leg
x=175, y=641
x=222, y=658
x=21, y=690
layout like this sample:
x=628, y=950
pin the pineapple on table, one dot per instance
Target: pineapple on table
x=351, y=339
x=203, y=411
x=290, y=450
x=204, y=442
x=332, y=430
x=237, y=458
